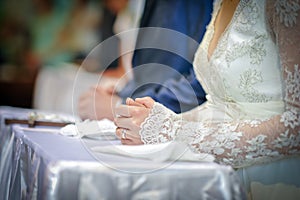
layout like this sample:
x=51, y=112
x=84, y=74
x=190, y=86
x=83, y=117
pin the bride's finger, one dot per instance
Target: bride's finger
x=131, y=102
x=124, y=122
x=148, y=102
x=131, y=142
x=122, y=110
x=126, y=134
x=118, y=132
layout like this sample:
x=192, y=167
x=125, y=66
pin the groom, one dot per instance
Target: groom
x=188, y=17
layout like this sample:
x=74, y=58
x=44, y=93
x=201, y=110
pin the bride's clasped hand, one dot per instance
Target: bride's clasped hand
x=129, y=118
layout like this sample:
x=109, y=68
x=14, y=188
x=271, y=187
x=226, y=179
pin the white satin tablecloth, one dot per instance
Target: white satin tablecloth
x=39, y=163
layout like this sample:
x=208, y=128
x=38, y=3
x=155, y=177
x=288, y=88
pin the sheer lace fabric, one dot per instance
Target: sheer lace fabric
x=253, y=83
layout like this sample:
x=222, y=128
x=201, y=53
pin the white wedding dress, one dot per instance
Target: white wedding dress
x=252, y=113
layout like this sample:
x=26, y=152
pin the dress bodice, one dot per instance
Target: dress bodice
x=243, y=72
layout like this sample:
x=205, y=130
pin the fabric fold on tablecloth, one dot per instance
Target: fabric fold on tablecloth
x=170, y=151
x=103, y=129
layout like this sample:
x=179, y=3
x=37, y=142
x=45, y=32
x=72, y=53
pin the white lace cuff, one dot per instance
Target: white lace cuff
x=159, y=126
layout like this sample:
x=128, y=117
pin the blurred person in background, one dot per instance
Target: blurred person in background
x=49, y=39
x=16, y=40
x=63, y=29
x=188, y=17
x=115, y=16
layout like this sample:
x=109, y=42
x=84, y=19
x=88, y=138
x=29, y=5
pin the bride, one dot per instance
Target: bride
x=248, y=63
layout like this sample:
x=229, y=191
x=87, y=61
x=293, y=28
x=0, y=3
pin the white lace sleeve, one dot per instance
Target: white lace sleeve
x=245, y=142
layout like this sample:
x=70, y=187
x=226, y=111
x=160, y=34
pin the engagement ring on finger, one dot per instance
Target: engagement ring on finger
x=123, y=136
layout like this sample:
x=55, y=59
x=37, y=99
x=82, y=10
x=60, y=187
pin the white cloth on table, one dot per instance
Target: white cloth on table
x=170, y=151
x=102, y=129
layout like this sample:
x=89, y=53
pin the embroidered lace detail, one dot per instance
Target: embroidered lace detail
x=221, y=139
x=291, y=118
x=248, y=17
x=293, y=84
x=286, y=140
x=254, y=48
x=247, y=80
x=252, y=123
x=149, y=128
x=287, y=11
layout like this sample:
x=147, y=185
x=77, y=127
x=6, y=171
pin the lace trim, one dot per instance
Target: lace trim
x=221, y=139
x=247, y=80
x=291, y=118
x=287, y=11
x=248, y=18
x=293, y=84
x=254, y=48
x=158, y=126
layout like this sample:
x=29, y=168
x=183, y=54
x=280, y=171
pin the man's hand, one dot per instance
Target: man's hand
x=97, y=103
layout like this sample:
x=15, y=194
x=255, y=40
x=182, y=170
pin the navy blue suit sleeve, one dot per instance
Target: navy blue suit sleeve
x=178, y=92
x=180, y=95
